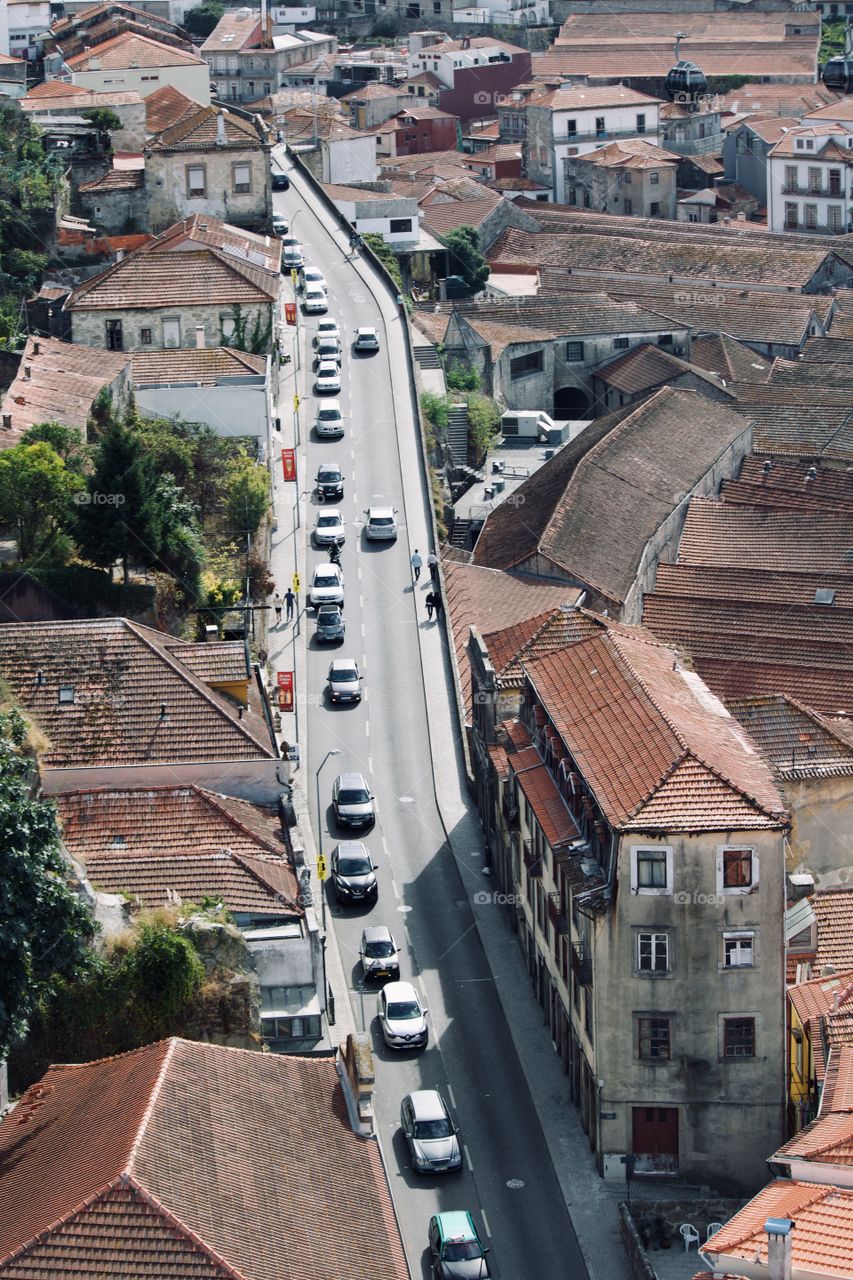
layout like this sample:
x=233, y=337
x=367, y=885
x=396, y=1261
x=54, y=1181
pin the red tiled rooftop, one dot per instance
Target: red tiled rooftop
x=828, y=1140
x=64, y=379
x=188, y=1161
x=833, y=910
x=165, y=107
x=838, y=1084
x=543, y=796
x=822, y=1237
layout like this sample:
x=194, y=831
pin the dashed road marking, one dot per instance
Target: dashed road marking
x=367, y=727
x=467, y=1156
x=394, y=887
x=486, y=1223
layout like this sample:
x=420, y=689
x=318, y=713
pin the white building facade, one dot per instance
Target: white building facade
x=810, y=180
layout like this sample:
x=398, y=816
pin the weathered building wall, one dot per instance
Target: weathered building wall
x=167, y=186
x=90, y=327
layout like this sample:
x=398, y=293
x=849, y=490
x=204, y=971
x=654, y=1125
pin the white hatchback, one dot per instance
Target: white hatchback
x=327, y=329
x=314, y=299
x=381, y=524
x=402, y=1016
x=329, y=420
x=327, y=377
x=327, y=585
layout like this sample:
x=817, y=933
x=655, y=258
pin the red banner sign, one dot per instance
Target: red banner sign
x=285, y=690
x=290, y=312
x=288, y=463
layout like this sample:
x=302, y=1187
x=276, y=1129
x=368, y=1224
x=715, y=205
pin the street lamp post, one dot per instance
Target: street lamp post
x=335, y=751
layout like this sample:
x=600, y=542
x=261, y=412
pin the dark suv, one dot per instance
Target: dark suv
x=354, y=873
x=330, y=482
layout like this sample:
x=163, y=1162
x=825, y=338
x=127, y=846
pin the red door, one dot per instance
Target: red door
x=655, y=1139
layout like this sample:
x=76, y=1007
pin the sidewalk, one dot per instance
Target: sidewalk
x=592, y=1203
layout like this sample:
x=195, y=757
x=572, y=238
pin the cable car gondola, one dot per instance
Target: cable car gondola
x=838, y=74
x=685, y=82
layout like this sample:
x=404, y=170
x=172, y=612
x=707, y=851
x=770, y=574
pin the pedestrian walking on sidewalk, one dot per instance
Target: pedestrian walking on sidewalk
x=277, y=605
x=290, y=601
x=438, y=603
x=417, y=564
x=430, y=605
x=432, y=565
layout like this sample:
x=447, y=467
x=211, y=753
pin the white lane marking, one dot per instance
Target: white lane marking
x=359, y=572
x=467, y=1155
x=451, y=1097
x=369, y=765
x=394, y=887
x=367, y=727
x=406, y=799
x=363, y=632
x=404, y=910
x=485, y=1223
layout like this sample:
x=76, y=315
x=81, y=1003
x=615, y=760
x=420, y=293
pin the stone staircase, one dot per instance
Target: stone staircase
x=427, y=357
x=457, y=434
x=459, y=534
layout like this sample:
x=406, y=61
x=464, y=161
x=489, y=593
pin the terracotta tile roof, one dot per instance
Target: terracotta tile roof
x=81, y=98
x=165, y=107
x=447, y=216
x=645, y=368
x=617, y=494
x=833, y=350
x=777, y=99
x=499, y=336
x=55, y=89
x=236, y=29
x=432, y=326
x=833, y=909
x=822, y=1238
x=820, y=431
x=717, y=534
x=510, y=648
x=428, y=79
x=731, y=582
x=797, y=742
x=115, y=180
x=817, y=997
x=131, y=50
x=838, y=1083
x=481, y=598
x=64, y=380
x=733, y=360
x=193, y=364
x=568, y=315
x=654, y=746
x=157, y=278
x=631, y=153
x=122, y=674
x=336, y=191
x=580, y=97
x=199, y=131
x=789, y=485
x=543, y=796
x=472, y=42
x=186, y=1124
x=825, y=145
x=247, y=246
x=373, y=91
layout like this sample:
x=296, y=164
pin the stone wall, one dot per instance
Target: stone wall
x=89, y=327
x=166, y=182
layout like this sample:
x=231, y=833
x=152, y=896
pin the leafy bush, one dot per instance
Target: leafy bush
x=484, y=420
x=386, y=256
x=462, y=377
x=247, y=497
x=436, y=409
x=201, y=20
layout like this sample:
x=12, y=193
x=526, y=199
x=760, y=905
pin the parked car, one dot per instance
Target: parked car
x=280, y=181
x=330, y=481
x=327, y=329
x=366, y=340
x=352, y=801
x=354, y=873
x=327, y=585
x=312, y=275
x=381, y=524
x=378, y=953
x=455, y=1247
x=344, y=680
x=314, y=299
x=429, y=1132
x=280, y=225
x=402, y=1016
x=330, y=625
x=327, y=377
x=327, y=349
x=329, y=420
x=329, y=528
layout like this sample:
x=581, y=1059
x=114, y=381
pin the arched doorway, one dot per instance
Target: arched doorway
x=571, y=402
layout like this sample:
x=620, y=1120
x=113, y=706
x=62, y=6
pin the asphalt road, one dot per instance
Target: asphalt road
x=507, y=1179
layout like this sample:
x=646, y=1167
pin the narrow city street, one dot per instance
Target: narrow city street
x=425, y=893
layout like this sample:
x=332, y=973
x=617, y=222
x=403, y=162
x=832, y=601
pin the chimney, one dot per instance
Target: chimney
x=199, y=336
x=36, y=348
x=28, y=373
x=119, y=255
x=357, y=1075
x=7, y=421
x=779, y=1242
x=221, y=139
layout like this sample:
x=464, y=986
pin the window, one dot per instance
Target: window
x=833, y=217
x=115, y=342
x=654, y=178
x=651, y=870
x=571, y=127
x=810, y=211
x=790, y=215
x=521, y=366
x=664, y=339
x=653, y=952
x=738, y=950
x=620, y=344
x=653, y=1039
x=790, y=177
x=737, y=870
x=196, y=181
x=145, y=337
x=641, y=122
x=738, y=1037
x=586, y=199
x=628, y=179
x=835, y=181
x=599, y=126
x=574, y=351
x=814, y=179
x=572, y=196
x=171, y=333
x=227, y=326
x=629, y=208
x=66, y=695
x=241, y=178
x=654, y=209
x=400, y=224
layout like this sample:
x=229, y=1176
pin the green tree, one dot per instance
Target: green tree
x=247, y=495
x=162, y=973
x=44, y=927
x=484, y=420
x=106, y=122
x=36, y=493
x=462, y=377
x=119, y=519
x=436, y=408
x=201, y=20
x=66, y=441
x=178, y=538
x=466, y=260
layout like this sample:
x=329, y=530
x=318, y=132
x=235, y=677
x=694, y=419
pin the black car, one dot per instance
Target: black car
x=330, y=482
x=354, y=873
x=280, y=181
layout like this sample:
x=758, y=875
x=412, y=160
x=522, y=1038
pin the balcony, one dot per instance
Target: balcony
x=604, y=135
x=509, y=807
x=581, y=964
x=816, y=193
x=532, y=861
x=559, y=914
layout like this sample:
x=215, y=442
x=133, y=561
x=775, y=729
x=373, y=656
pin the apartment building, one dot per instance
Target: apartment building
x=810, y=179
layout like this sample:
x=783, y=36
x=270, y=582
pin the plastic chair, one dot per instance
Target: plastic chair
x=713, y=1228
x=689, y=1235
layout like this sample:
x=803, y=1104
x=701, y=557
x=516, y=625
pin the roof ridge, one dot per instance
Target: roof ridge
x=179, y=1226
x=819, y=1189
x=65, y=1218
x=152, y=1101
x=212, y=798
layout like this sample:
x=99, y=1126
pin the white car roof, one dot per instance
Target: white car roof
x=400, y=991
x=363, y=328
x=329, y=511
x=328, y=569
x=373, y=512
x=343, y=664
x=328, y=366
x=427, y=1104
